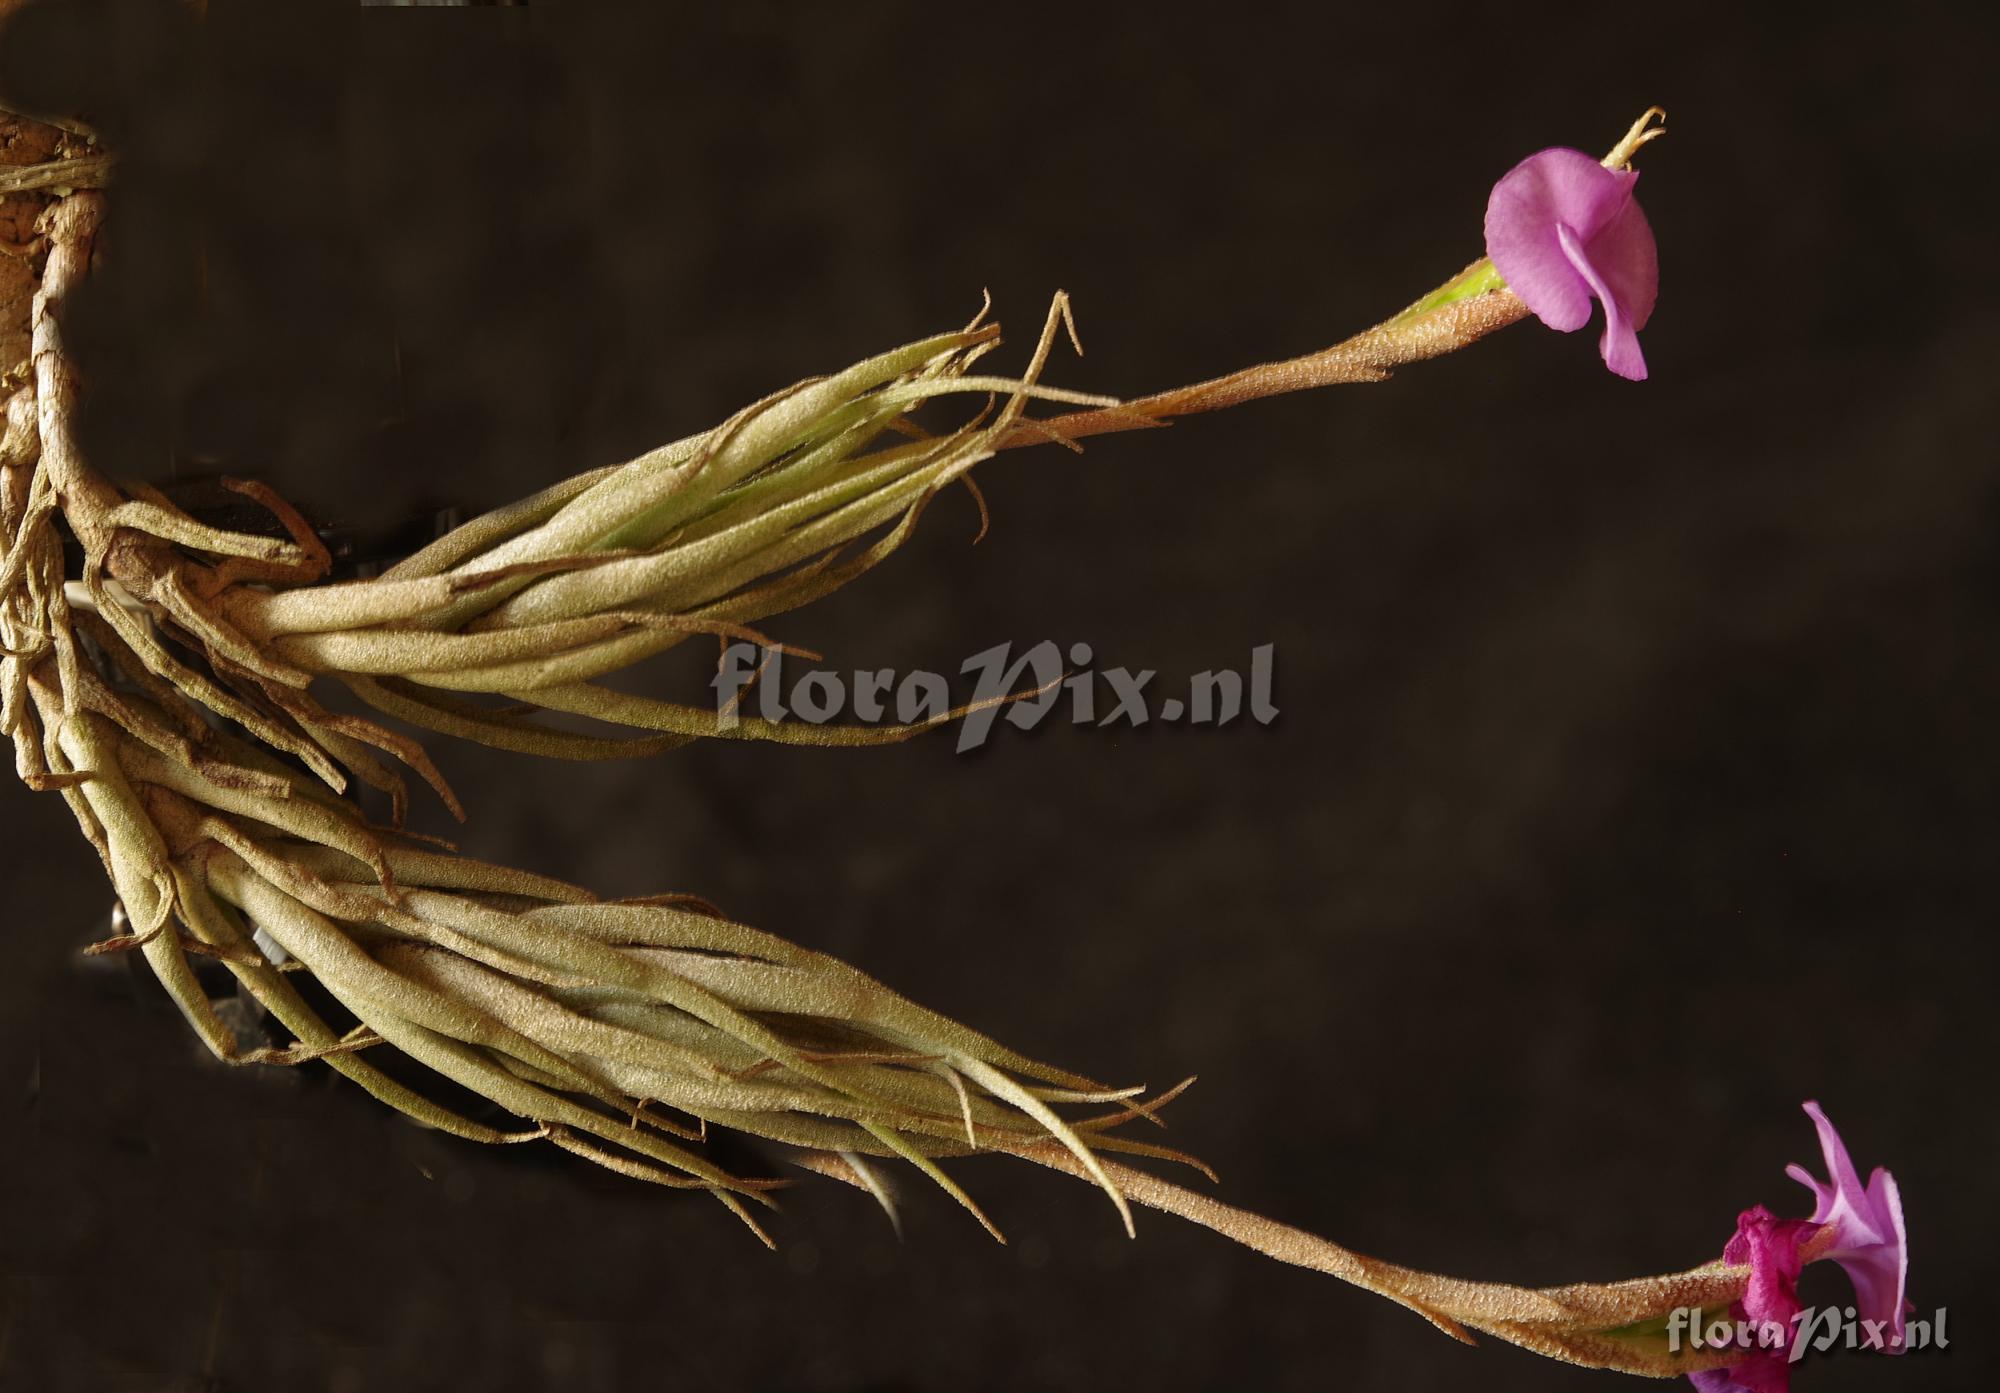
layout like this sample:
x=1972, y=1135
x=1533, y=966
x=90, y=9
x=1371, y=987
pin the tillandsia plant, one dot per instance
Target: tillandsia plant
x=164, y=676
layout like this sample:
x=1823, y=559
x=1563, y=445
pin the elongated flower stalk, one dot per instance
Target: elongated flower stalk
x=166, y=691
x=534, y=602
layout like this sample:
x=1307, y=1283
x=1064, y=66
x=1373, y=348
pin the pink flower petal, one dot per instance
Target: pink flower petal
x=1869, y=1239
x=1563, y=230
x=1619, y=345
x=1628, y=258
x=1761, y=1375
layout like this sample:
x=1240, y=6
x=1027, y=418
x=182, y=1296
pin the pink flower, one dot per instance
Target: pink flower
x=1561, y=229
x=1868, y=1238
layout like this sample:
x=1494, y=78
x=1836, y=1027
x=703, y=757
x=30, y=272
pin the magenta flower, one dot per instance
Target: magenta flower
x=1868, y=1238
x=1859, y=1228
x=1770, y=1248
x=1562, y=229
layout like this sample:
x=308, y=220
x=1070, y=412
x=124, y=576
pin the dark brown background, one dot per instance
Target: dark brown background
x=1636, y=777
